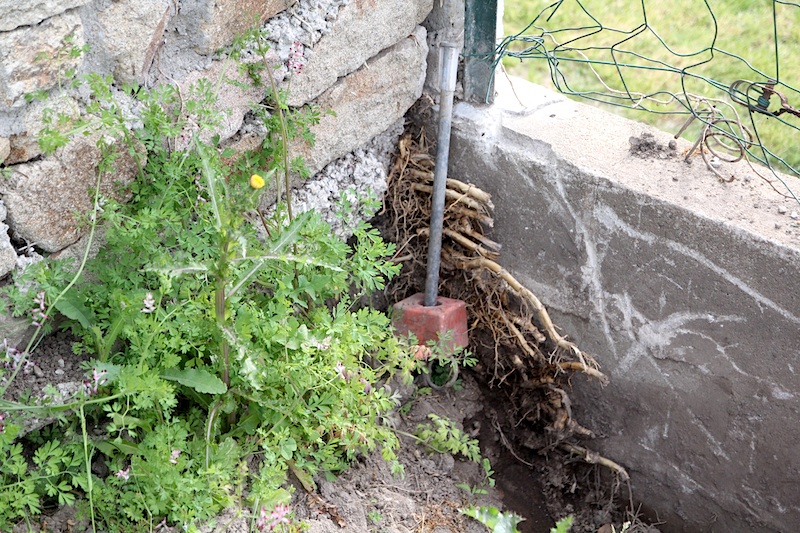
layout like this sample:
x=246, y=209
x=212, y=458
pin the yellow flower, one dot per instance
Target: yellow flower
x=256, y=181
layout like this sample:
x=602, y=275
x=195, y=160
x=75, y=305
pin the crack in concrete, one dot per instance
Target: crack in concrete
x=609, y=218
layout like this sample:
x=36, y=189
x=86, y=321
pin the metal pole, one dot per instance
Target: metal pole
x=448, y=60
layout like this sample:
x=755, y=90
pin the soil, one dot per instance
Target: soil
x=647, y=147
x=368, y=498
x=52, y=364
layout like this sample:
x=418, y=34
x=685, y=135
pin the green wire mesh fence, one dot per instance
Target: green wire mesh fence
x=719, y=71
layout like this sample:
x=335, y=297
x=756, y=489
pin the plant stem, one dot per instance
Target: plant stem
x=16, y=406
x=284, y=136
x=209, y=426
x=219, y=308
x=219, y=305
x=87, y=460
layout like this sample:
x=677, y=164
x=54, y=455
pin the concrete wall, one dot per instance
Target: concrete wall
x=685, y=288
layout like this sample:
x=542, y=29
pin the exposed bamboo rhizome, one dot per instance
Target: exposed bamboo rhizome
x=520, y=350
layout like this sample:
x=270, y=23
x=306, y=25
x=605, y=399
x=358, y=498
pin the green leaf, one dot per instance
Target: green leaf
x=290, y=234
x=492, y=518
x=111, y=371
x=111, y=448
x=563, y=525
x=197, y=379
x=288, y=447
x=211, y=185
x=73, y=309
x=303, y=477
x=261, y=261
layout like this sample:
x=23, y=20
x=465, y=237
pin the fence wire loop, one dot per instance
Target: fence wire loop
x=609, y=55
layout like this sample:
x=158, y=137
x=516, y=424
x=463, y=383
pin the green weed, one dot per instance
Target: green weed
x=213, y=345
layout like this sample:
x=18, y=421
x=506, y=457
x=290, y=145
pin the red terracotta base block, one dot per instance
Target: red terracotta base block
x=432, y=323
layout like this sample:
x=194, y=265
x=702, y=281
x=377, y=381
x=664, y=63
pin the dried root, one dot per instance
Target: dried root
x=513, y=333
x=595, y=458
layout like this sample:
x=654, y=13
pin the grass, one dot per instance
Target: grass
x=714, y=43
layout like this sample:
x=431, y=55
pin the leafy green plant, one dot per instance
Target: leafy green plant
x=48, y=476
x=563, y=525
x=212, y=341
x=442, y=436
x=492, y=518
x=441, y=364
x=499, y=522
x=472, y=489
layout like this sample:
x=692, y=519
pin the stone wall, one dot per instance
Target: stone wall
x=362, y=60
x=686, y=289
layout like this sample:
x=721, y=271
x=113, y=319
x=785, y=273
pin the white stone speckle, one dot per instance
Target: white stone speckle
x=352, y=179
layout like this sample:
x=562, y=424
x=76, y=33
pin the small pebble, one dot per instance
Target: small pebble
x=59, y=372
x=781, y=210
x=777, y=226
x=793, y=215
x=60, y=362
x=673, y=145
x=38, y=372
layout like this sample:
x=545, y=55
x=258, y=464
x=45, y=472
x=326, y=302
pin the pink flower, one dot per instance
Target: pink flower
x=268, y=522
x=13, y=357
x=297, y=58
x=124, y=473
x=342, y=371
x=37, y=313
x=149, y=303
x=173, y=458
x=91, y=386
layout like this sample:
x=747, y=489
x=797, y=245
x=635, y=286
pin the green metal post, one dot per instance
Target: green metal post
x=480, y=33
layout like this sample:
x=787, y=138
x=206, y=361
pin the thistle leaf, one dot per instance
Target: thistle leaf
x=198, y=379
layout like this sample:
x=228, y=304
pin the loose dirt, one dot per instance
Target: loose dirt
x=427, y=499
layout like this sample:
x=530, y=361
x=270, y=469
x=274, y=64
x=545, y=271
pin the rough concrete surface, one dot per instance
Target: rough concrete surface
x=224, y=20
x=351, y=179
x=235, y=95
x=24, y=145
x=397, y=74
x=685, y=288
x=48, y=199
x=306, y=21
x=5, y=148
x=8, y=256
x=16, y=13
x=128, y=35
x=360, y=31
x=22, y=69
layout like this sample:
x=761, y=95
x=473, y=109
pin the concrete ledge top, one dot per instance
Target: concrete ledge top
x=600, y=143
